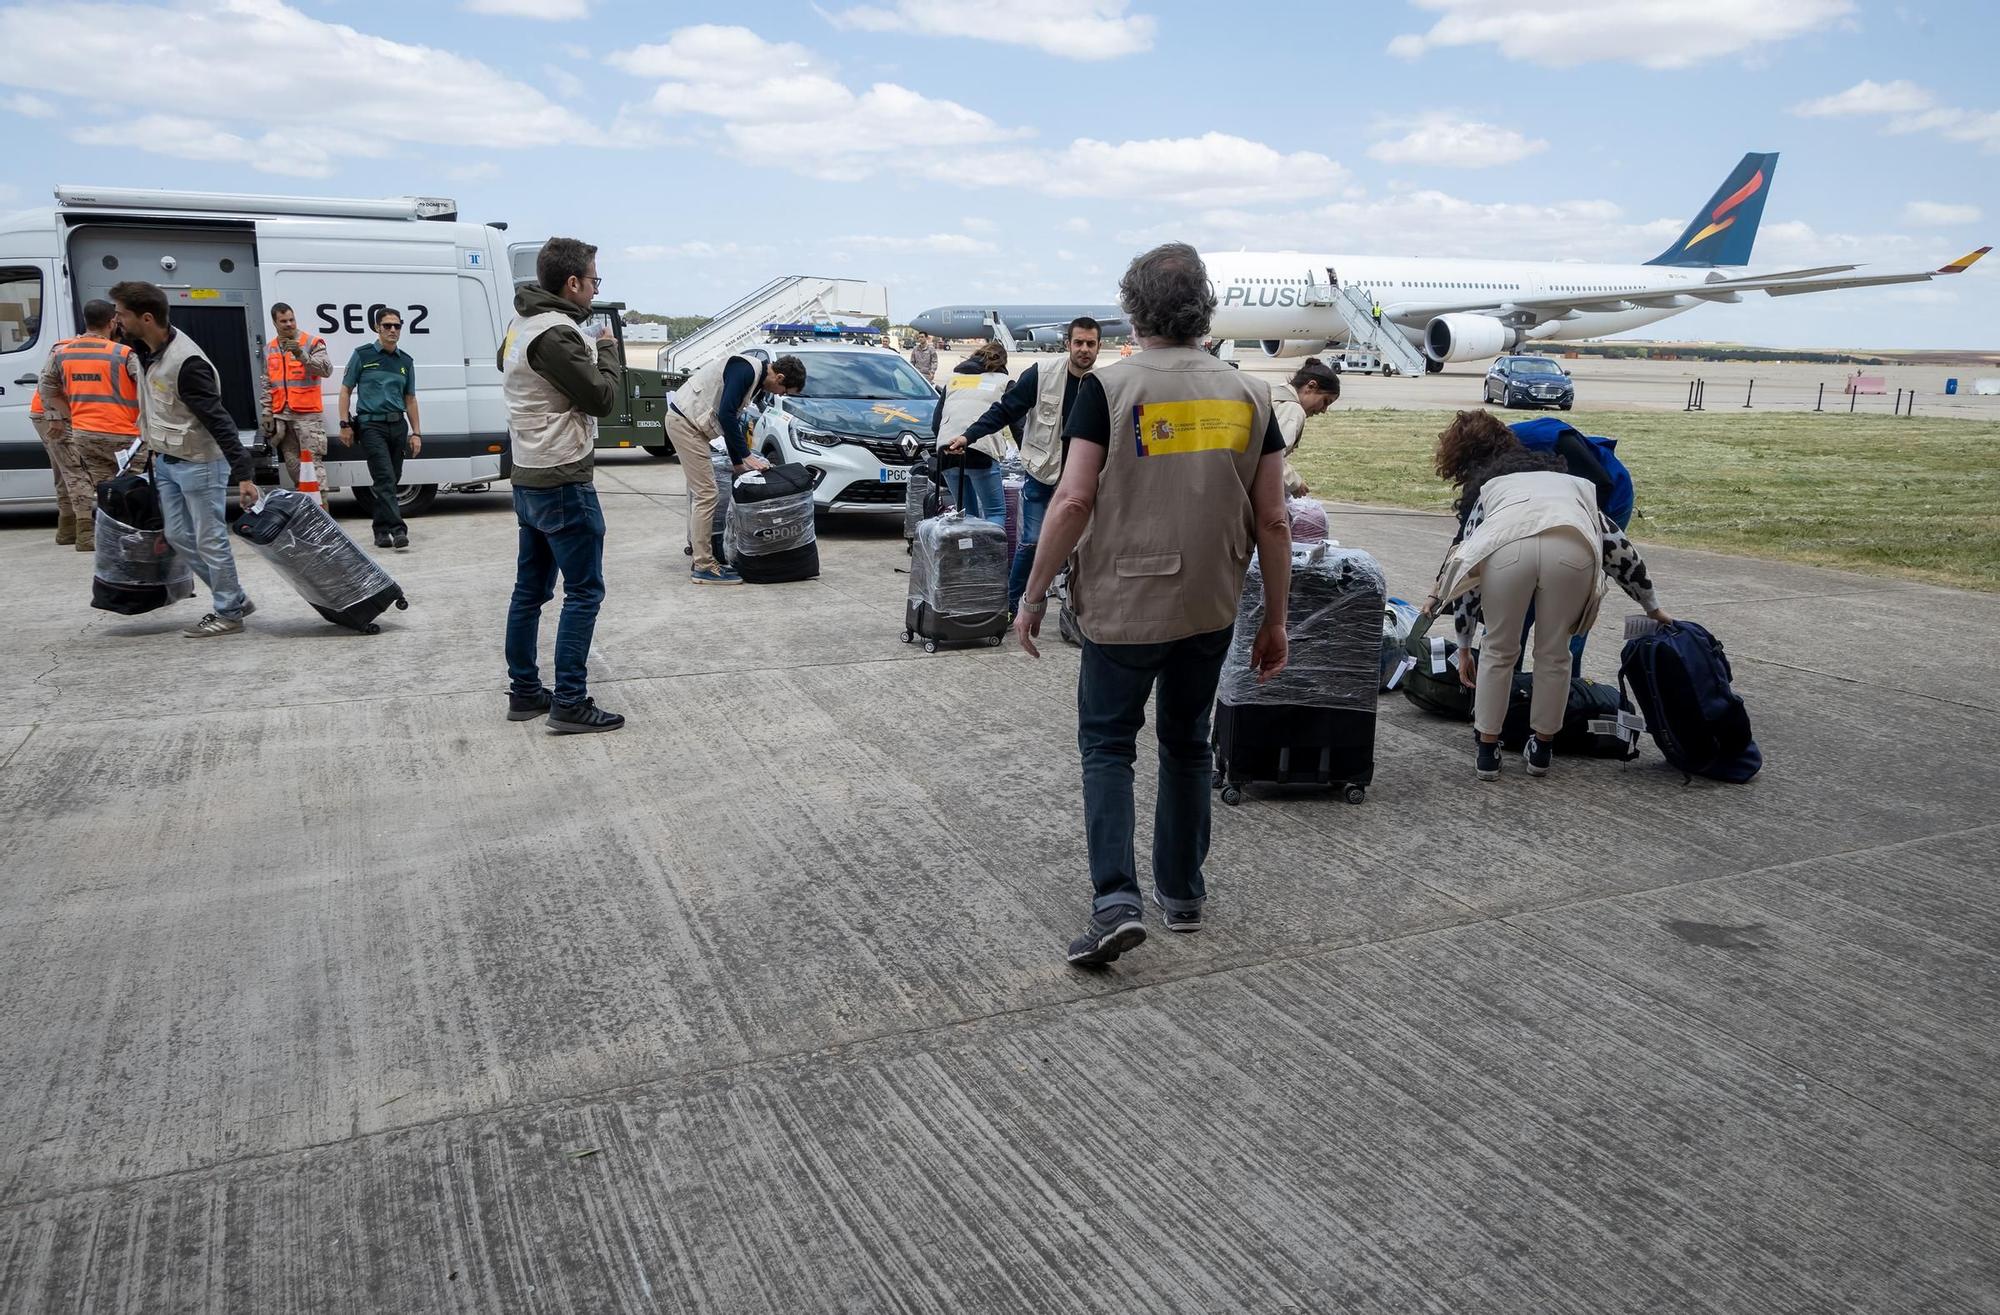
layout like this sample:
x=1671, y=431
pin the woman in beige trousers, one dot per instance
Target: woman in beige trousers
x=1533, y=536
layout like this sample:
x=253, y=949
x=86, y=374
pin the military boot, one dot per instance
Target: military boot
x=86, y=535
x=65, y=527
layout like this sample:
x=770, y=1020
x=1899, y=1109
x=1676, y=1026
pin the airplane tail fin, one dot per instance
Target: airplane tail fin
x=1964, y=262
x=1723, y=231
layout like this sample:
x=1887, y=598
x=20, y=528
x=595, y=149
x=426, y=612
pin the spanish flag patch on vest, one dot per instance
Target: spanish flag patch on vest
x=1212, y=425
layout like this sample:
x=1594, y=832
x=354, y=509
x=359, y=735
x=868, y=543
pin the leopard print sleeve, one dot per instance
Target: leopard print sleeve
x=1623, y=563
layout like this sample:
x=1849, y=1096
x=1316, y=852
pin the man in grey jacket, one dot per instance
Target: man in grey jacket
x=557, y=383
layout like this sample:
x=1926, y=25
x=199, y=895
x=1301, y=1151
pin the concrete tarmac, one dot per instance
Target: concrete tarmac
x=326, y=988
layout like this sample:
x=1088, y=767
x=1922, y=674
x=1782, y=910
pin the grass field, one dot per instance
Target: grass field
x=1915, y=498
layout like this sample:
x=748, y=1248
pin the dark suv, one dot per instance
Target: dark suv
x=1529, y=381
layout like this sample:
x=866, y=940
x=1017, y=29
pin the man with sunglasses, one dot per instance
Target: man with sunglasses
x=379, y=393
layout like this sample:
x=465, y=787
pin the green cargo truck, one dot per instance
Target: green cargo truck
x=641, y=417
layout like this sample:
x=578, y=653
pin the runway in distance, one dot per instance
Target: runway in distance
x=1298, y=304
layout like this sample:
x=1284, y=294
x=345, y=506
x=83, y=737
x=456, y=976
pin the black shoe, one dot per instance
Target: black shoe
x=1109, y=935
x=582, y=718
x=381, y=538
x=1538, y=754
x=1488, y=762
x=1189, y=920
x=401, y=538
x=527, y=707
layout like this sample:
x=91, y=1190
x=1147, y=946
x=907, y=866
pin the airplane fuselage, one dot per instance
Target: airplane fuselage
x=1266, y=295
x=1041, y=323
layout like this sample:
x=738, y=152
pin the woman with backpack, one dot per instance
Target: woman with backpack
x=974, y=478
x=1531, y=536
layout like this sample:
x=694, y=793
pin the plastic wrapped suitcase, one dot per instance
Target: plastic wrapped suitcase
x=958, y=583
x=306, y=545
x=136, y=570
x=769, y=538
x=1314, y=722
x=1010, y=496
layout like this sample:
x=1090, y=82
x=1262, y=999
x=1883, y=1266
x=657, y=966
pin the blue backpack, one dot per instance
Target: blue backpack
x=1678, y=677
x=1541, y=434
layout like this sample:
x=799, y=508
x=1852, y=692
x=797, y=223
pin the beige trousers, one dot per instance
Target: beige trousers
x=54, y=432
x=693, y=451
x=1557, y=572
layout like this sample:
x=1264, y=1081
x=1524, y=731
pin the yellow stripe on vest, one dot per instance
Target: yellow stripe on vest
x=1213, y=425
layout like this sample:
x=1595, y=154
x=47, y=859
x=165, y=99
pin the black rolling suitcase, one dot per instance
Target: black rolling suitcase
x=769, y=538
x=958, y=583
x=304, y=544
x=1313, y=723
x=135, y=570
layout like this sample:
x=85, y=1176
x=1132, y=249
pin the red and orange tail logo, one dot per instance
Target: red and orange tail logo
x=1964, y=262
x=1730, y=202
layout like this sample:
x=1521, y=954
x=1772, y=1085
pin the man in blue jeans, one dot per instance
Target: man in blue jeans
x=195, y=449
x=1175, y=465
x=1041, y=401
x=556, y=383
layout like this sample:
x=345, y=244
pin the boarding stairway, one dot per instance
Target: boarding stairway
x=1356, y=310
x=792, y=298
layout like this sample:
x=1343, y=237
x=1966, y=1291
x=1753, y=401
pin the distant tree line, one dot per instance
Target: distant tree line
x=678, y=326
x=1626, y=351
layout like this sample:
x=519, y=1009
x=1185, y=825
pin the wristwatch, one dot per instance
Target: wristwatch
x=1035, y=608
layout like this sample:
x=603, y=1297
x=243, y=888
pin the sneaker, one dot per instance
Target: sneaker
x=402, y=538
x=1538, y=754
x=720, y=575
x=212, y=625
x=1109, y=935
x=1487, y=764
x=248, y=608
x=527, y=707
x=1189, y=920
x=582, y=718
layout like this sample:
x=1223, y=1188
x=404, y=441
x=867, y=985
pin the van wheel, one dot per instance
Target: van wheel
x=411, y=499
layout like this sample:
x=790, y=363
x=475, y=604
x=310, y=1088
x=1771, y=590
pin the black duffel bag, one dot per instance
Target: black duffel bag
x=1590, y=726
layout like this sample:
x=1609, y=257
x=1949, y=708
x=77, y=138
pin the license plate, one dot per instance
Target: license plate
x=895, y=474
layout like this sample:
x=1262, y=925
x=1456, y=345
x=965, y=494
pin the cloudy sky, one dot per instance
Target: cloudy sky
x=1023, y=149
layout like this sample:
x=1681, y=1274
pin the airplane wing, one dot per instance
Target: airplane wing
x=1782, y=283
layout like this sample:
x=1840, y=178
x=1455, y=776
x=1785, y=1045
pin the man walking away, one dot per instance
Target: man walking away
x=1308, y=393
x=51, y=427
x=1043, y=399
x=195, y=449
x=96, y=380
x=710, y=405
x=380, y=385
x=557, y=383
x=924, y=357
x=1175, y=464
x=292, y=415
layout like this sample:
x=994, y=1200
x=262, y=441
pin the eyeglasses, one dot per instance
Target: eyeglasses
x=595, y=281
x=390, y=326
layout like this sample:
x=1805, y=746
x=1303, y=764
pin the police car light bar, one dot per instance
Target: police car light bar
x=74, y=197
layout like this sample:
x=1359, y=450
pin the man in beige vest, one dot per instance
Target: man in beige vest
x=1175, y=467
x=708, y=406
x=1308, y=393
x=557, y=382
x=195, y=449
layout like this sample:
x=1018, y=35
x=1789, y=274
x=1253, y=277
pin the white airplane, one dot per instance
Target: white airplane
x=1298, y=304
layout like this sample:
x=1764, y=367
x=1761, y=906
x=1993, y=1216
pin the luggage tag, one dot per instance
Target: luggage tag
x=1631, y=722
x=1438, y=664
x=1403, y=668
x=965, y=545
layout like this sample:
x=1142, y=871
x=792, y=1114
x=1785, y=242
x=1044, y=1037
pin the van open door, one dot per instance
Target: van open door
x=32, y=317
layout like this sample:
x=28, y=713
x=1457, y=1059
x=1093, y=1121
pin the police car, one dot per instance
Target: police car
x=864, y=419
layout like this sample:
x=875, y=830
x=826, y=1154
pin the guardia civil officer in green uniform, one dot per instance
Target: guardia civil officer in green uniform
x=378, y=410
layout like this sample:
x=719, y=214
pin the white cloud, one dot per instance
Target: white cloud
x=976, y=224
x=549, y=10
x=1068, y=29
x=1655, y=33
x=1908, y=108
x=695, y=250
x=1213, y=169
x=1441, y=139
x=1939, y=214
x=1076, y=224
x=943, y=244
x=223, y=66
x=28, y=107
x=473, y=173
x=567, y=84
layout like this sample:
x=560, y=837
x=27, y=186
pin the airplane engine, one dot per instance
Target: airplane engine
x=1287, y=347
x=1468, y=338
x=1045, y=336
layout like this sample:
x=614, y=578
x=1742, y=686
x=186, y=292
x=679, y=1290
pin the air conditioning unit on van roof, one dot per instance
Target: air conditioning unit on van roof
x=74, y=197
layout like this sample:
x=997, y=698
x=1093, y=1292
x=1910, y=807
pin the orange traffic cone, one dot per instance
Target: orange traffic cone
x=309, y=477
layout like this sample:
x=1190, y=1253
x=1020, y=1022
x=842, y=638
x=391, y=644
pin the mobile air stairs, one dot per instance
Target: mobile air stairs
x=792, y=298
x=1356, y=309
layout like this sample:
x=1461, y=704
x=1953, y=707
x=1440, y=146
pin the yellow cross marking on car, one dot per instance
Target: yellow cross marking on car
x=894, y=413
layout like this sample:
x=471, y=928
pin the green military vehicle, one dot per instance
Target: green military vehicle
x=641, y=417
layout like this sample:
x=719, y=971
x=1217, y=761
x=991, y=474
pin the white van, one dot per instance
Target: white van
x=224, y=259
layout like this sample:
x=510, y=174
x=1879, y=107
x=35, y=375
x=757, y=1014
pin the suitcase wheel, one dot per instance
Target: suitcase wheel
x=1232, y=795
x=994, y=641
x=930, y=646
x=371, y=629
x=1354, y=794
x=909, y=637
x=402, y=605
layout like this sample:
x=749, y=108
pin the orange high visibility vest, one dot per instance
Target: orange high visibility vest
x=97, y=380
x=292, y=389
x=35, y=403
